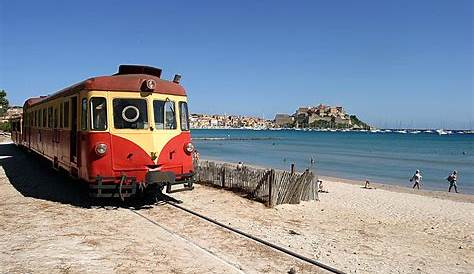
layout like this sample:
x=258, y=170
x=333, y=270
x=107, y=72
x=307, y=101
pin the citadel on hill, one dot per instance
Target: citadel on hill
x=321, y=116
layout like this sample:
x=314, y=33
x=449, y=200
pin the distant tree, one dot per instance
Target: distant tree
x=333, y=122
x=5, y=126
x=3, y=102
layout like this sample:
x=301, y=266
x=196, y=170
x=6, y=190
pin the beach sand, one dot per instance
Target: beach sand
x=45, y=228
x=356, y=230
x=385, y=230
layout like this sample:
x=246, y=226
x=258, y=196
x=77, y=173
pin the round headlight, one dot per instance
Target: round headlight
x=101, y=149
x=189, y=148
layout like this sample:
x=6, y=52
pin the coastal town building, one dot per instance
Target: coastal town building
x=283, y=120
x=228, y=121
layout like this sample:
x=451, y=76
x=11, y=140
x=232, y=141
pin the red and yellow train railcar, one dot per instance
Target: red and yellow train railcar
x=121, y=134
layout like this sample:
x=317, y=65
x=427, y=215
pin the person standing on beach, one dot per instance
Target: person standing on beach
x=452, y=179
x=417, y=179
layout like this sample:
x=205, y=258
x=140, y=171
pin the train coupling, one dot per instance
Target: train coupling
x=168, y=179
x=109, y=187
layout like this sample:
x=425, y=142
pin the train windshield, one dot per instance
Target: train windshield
x=165, y=114
x=184, y=116
x=130, y=114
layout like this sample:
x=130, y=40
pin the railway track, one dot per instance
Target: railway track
x=171, y=203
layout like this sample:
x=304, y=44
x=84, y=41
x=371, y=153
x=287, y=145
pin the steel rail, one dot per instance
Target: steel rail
x=279, y=248
x=205, y=250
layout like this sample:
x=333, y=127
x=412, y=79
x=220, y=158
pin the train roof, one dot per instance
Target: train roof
x=129, y=78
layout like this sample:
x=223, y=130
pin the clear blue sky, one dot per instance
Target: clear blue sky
x=389, y=62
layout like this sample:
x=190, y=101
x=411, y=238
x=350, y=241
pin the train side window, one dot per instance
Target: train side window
x=84, y=114
x=44, y=117
x=55, y=122
x=98, y=113
x=130, y=113
x=50, y=117
x=66, y=114
x=184, y=116
x=61, y=115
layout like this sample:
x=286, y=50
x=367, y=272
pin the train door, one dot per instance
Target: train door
x=73, y=138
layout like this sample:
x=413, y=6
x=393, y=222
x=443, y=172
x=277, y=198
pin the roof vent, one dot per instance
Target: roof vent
x=137, y=69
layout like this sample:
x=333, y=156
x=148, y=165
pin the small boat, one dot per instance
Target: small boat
x=415, y=132
x=387, y=131
x=401, y=131
x=428, y=131
x=441, y=132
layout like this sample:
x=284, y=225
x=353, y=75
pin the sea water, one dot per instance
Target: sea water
x=389, y=158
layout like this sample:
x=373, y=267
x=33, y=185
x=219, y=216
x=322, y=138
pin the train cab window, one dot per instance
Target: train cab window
x=44, y=117
x=98, y=113
x=130, y=114
x=184, y=116
x=66, y=114
x=164, y=114
x=84, y=114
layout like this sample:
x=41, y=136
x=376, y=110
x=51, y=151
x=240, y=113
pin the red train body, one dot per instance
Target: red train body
x=121, y=134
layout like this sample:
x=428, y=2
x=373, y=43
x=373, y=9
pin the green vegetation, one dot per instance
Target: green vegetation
x=356, y=121
x=326, y=124
x=5, y=126
x=4, y=104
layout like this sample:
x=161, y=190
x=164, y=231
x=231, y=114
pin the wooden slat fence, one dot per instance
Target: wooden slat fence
x=265, y=185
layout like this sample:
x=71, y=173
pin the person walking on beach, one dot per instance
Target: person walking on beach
x=417, y=179
x=452, y=179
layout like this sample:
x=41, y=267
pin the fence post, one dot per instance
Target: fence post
x=223, y=176
x=271, y=180
x=292, y=169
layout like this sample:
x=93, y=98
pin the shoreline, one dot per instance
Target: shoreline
x=445, y=195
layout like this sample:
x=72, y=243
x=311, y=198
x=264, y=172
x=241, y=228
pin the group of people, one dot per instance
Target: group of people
x=452, y=179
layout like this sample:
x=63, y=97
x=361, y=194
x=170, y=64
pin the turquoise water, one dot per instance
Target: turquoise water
x=389, y=158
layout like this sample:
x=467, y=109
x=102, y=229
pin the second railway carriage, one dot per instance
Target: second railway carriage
x=122, y=134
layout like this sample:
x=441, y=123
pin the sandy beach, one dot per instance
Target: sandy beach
x=388, y=229
x=47, y=227
x=358, y=230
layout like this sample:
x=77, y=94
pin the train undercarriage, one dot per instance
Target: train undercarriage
x=127, y=186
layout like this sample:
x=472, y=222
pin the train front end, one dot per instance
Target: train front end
x=139, y=140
